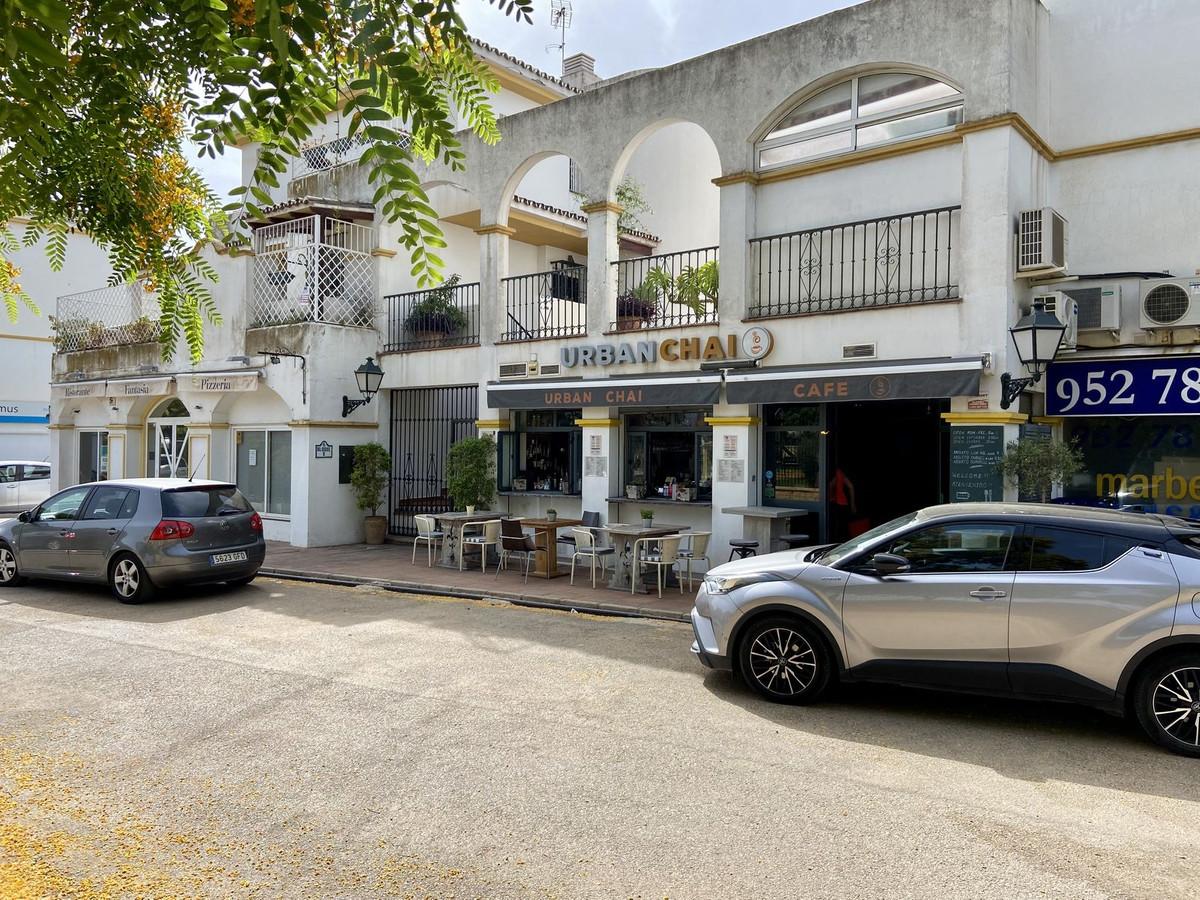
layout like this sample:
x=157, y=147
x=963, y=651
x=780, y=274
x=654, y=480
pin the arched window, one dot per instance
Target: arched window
x=863, y=112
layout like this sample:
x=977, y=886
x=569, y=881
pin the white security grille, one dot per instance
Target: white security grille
x=338, y=152
x=313, y=269
x=108, y=317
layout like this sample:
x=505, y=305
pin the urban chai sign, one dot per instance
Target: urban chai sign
x=755, y=343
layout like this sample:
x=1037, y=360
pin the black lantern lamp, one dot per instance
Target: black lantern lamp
x=1037, y=336
x=369, y=376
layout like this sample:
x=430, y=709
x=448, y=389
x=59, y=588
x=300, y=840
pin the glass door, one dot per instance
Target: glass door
x=167, y=442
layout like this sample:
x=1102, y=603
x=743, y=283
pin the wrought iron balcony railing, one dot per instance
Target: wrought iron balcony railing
x=331, y=154
x=112, y=316
x=545, y=304
x=445, y=316
x=313, y=269
x=893, y=261
x=666, y=291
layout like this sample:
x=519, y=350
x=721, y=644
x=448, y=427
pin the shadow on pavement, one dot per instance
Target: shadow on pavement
x=1027, y=740
x=95, y=601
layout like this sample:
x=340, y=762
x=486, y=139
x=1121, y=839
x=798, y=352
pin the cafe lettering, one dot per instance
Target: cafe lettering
x=686, y=349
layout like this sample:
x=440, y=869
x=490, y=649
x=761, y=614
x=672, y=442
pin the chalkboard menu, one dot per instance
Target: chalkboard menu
x=975, y=455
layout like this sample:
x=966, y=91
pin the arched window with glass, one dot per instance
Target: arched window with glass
x=865, y=111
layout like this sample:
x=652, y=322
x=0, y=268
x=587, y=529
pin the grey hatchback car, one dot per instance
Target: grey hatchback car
x=1051, y=602
x=136, y=535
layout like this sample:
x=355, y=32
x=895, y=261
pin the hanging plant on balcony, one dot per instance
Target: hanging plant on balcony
x=636, y=307
x=438, y=312
x=694, y=287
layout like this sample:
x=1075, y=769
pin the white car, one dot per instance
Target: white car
x=24, y=483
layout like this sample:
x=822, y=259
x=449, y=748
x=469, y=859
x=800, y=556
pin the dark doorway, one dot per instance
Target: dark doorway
x=425, y=423
x=892, y=455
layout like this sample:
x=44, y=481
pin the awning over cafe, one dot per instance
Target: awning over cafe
x=896, y=379
x=138, y=386
x=682, y=389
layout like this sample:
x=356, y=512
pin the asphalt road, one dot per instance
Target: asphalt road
x=290, y=740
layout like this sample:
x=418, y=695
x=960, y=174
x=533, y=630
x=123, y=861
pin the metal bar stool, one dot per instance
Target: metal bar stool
x=743, y=548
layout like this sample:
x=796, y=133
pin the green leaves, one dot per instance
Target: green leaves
x=101, y=98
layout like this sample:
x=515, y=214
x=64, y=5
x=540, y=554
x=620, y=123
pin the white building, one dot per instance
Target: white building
x=860, y=178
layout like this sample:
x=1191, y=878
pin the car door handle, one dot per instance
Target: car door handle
x=988, y=593
x=113, y=531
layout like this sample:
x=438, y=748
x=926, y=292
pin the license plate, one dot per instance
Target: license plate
x=218, y=558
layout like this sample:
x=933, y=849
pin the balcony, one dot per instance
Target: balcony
x=338, y=152
x=445, y=316
x=113, y=316
x=667, y=291
x=313, y=269
x=894, y=261
x=545, y=304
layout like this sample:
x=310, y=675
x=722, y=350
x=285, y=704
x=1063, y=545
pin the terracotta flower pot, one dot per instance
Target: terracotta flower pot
x=376, y=529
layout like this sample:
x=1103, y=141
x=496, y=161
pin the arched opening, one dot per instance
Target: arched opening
x=667, y=273
x=545, y=292
x=867, y=110
x=167, y=436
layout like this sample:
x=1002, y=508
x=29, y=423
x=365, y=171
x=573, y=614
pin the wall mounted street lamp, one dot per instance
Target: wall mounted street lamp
x=1037, y=337
x=369, y=376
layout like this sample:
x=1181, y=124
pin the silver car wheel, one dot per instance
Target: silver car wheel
x=1177, y=705
x=8, y=565
x=783, y=661
x=126, y=578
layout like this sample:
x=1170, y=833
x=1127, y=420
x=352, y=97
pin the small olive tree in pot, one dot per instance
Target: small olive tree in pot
x=368, y=478
x=471, y=472
x=1034, y=465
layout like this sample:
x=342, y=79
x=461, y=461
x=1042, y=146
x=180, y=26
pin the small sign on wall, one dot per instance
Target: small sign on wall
x=730, y=444
x=596, y=467
x=253, y=454
x=323, y=450
x=594, y=442
x=731, y=471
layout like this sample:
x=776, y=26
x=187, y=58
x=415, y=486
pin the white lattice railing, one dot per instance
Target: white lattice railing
x=314, y=269
x=338, y=152
x=107, y=317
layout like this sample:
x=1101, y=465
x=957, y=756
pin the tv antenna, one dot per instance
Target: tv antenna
x=560, y=18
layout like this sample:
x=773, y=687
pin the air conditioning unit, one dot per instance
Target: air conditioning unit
x=1170, y=303
x=514, y=370
x=1041, y=242
x=858, y=351
x=1063, y=308
x=1099, y=307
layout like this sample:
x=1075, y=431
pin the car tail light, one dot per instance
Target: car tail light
x=170, y=529
x=255, y=522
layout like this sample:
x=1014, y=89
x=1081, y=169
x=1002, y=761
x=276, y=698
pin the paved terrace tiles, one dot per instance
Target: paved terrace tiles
x=389, y=565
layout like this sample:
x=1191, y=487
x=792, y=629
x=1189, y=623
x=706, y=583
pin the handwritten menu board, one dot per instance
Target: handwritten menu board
x=975, y=455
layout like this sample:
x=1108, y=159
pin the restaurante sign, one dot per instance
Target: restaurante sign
x=667, y=350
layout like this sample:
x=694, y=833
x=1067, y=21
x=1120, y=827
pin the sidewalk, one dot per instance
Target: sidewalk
x=390, y=566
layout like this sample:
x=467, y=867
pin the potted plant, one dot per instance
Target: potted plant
x=647, y=518
x=551, y=515
x=1034, y=465
x=436, y=317
x=471, y=473
x=368, y=478
x=636, y=307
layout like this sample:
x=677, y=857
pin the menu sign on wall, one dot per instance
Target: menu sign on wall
x=975, y=455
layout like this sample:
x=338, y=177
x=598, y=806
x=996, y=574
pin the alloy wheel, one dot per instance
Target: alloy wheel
x=1176, y=704
x=126, y=578
x=8, y=565
x=783, y=661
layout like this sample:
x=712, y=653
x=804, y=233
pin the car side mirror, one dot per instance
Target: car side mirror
x=24, y=517
x=889, y=564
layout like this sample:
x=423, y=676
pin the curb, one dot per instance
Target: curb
x=408, y=587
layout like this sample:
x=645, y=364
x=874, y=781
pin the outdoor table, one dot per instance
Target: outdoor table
x=452, y=527
x=546, y=536
x=763, y=523
x=623, y=538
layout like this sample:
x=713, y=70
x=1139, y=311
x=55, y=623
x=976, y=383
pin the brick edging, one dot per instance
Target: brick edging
x=407, y=587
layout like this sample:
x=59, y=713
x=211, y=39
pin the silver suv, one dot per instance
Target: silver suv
x=1051, y=602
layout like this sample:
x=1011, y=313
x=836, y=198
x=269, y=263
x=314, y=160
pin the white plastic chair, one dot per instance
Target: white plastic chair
x=490, y=537
x=427, y=531
x=697, y=548
x=585, y=546
x=663, y=559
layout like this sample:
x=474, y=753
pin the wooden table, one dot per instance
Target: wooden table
x=452, y=528
x=546, y=536
x=623, y=538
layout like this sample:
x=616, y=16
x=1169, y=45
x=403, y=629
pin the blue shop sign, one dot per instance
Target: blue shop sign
x=1163, y=386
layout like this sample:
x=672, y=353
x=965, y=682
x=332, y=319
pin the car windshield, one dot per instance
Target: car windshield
x=835, y=555
x=204, y=500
